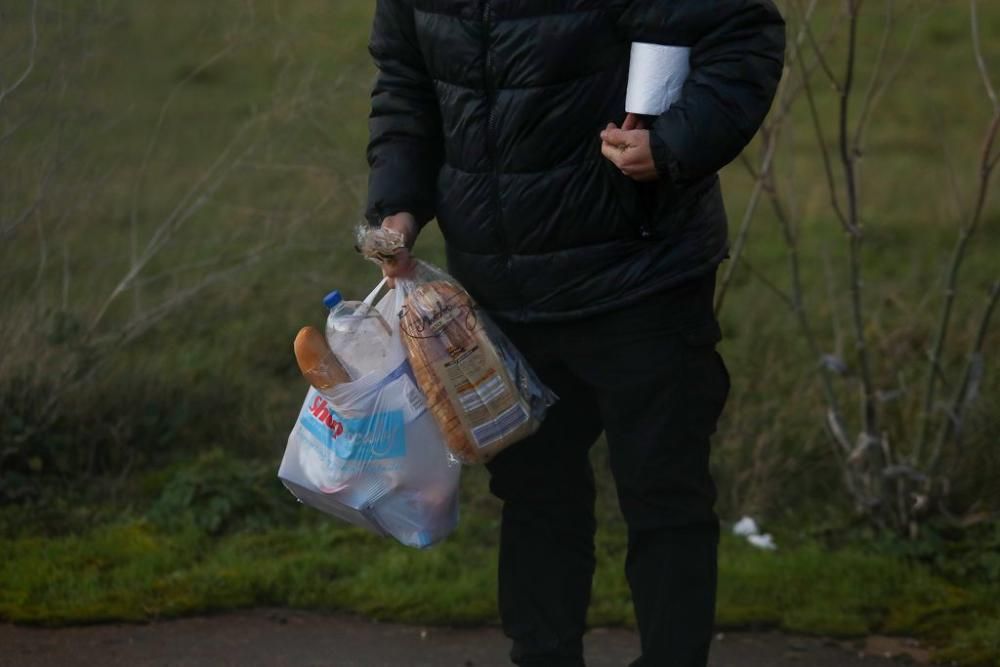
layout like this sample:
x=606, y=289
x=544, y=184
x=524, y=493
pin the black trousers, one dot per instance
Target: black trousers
x=648, y=376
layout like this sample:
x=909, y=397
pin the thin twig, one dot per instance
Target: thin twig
x=952, y=172
x=32, y=54
x=737, y=248
x=884, y=85
x=768, y=283
x=770, y=134
x=771, y=142
x=797, y=301
x=820, y=139
x=873, y=83
x=7, y=229
x=953, y=425
x=154, y=138
x=848, y=157
x=986, y=166
x=950, y=292
x=820, y=53
x=193, y=200
x=980, y=61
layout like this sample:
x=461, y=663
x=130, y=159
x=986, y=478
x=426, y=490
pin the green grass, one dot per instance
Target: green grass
x=133, y=571
x=198, y=538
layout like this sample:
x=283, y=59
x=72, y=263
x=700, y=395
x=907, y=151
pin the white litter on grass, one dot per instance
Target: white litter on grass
x=748, y=528
x=745, y=527
x=764, y=541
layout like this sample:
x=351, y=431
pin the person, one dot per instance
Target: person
x=592, y=237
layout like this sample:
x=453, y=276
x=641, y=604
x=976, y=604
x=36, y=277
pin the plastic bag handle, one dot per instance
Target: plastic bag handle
x=371, y=298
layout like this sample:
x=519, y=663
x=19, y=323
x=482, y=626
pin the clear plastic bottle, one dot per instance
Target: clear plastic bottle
x=357, y=334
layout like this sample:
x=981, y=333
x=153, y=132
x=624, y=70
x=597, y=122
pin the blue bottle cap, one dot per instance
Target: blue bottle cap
x=332, y=299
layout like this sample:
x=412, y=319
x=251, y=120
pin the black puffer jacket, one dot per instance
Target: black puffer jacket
x=486, y=115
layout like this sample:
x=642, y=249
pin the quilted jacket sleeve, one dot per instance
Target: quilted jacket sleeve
x=737, y=56
x=405, y=145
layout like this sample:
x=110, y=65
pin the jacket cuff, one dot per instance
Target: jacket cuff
x=400, y=184
x=375, y=215
x=664, y=159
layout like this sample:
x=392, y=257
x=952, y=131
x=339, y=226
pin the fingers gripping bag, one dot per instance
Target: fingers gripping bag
x=369, y=452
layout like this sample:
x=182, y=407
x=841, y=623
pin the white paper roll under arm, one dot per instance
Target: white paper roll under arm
x=655, y=77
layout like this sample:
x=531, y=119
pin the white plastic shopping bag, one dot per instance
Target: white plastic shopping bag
x=370, y=453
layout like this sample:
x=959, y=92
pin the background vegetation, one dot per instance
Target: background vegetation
x=178, y=186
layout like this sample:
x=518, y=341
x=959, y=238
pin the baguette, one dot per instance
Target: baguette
x=469, y=390
x=317, y=361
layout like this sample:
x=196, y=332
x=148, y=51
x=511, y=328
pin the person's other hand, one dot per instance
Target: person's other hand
x=402, y=263
x=628, y=148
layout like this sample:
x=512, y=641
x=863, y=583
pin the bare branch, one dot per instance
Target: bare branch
x=748, y=165
x=154, y=137
x=817, y=49
x=8, y=228
x=771, y=142
x=847, y=158
x=824, y=151
x=13, y=129
x=949, y=163
x=953, y=425
x=796, y=299
x=980, y=61
x=873, y=83
x=770, y=134
x=767, y=282
x=32, y=54
x=847, y=155
x=876, y=92
x=143, y=322
x=796, y=303
x=951, y=286
x=837, y=432
x=190, y=203
x=790, y=88
x=986, y=165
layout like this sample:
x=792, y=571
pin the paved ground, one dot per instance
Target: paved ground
x=279, y=637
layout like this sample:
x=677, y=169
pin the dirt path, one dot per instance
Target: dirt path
x=280, y=637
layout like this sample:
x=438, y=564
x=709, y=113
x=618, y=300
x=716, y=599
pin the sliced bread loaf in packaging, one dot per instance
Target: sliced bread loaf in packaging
x=480, y=390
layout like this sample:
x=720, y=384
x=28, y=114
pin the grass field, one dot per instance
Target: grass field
x=193, y=173
x=219, y=533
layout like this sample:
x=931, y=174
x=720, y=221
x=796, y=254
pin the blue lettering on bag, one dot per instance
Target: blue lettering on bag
x=372, y=437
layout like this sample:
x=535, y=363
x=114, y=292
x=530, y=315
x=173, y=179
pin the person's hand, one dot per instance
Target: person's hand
x=628, y=149
x=633, y=121
x=402, y=263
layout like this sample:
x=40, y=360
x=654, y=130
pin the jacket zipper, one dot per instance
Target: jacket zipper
x=491, y=94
